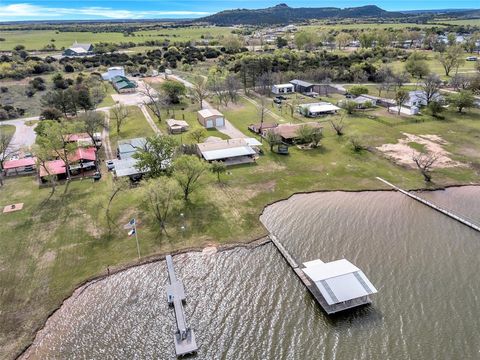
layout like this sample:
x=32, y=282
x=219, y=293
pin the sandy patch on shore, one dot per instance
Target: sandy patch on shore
x=402, y=153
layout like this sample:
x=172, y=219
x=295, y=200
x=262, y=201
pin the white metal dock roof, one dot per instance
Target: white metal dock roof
x=323, y=108
x=339, y=281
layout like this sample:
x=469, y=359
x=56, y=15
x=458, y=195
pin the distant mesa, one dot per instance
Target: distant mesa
x=282, y=14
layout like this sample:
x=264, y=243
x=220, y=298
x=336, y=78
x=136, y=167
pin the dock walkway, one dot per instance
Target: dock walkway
x=184, y=337
x=446, y=212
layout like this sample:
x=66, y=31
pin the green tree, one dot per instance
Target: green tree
x=401, y=96
x=451, y=59
x=155, y=158
x=218, y=167
x=358, y=90
x=173, y=90
x=462, y=100
x=306, y=40
x=435, y=108
x=162, y=198
x=281, y=42
x=272, y=139
x=198, y=134
x=187, y=171
x=417, y=66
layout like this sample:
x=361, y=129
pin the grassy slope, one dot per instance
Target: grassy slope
x=60, y=242
x=37, y=39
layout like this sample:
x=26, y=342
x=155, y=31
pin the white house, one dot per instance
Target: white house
x=418, y=98
x=112, y=72
x=317, y=109
x=283, y=89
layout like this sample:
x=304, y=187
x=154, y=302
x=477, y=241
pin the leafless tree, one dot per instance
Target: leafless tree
x=337, y=126
x=461, y=82
x=400, y=98
x=154, y=102
x=425, y=163
x=232, y=86
x=262, y=111
x=199, y=91
x=6, y=147
x=400, y=79
x=431, y=88
x=119, y=115
x=357, y=144
x=265, y=83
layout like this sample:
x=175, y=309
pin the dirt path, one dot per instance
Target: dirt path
x=149, y=119
x=268, y=111
x=106, y=136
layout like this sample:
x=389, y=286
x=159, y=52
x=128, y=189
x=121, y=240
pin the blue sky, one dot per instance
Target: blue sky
x=14, y=10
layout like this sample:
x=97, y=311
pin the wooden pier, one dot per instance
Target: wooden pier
x=312, y=288
x=184, y=337
x=446, y=212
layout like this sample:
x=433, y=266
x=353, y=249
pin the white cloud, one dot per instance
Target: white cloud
x=27, y=11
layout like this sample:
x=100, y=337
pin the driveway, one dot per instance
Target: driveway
x=25, y=135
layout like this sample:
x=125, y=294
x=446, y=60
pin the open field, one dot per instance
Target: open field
x=37, y=39
x=57, y=242
x=364, y=26
x=472, y=22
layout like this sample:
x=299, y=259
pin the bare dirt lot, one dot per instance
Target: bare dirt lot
x=402, y=152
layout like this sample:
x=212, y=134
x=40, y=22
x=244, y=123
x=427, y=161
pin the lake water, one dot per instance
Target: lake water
x=248, y=304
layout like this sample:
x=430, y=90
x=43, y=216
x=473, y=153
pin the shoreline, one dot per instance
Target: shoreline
x=247, y=244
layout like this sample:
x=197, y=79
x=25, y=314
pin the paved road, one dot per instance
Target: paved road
x=25, y=135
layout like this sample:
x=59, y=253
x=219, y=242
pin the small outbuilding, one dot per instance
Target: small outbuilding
x=177, y=126
x=289, y=132
x=123, y=85
x=283, y=89
x=211, y=118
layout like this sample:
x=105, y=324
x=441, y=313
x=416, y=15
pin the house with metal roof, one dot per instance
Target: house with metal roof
x=303, y=87
x=341, y=285
x=122, y=84
x=231, y=151
x=112, y=72
x=317, y=109
x=177, y=126
x=127, y=147
x=79, y=50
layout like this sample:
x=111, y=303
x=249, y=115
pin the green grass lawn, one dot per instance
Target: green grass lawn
x=109, y=90
x=55, y=243
x=7, y=129
x=135, y=126
x=37, y=39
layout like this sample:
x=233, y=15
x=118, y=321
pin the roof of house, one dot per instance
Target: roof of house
x=280, y=86
x=176, y=123
x=78, y=137
x=224, y=149
x=321, y=107
x=289, y=131
x=84, y=47
x=78, y=50
x=205, y=113
x=362, y=99
x=83, y=154
x=55, y=167
x=338, y=280
x=265, y=126
x=301, y=83
x=129, y=146
x=126, y=167
x=124, y=85
x=18, y=163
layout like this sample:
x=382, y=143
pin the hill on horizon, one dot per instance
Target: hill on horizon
x=283, y=14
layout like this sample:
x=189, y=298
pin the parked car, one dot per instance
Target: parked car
x=471, y=58
x=110, y=165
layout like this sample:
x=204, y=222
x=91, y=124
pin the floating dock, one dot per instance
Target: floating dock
x=450, y=214
x=312, y=287
x=184, y=337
